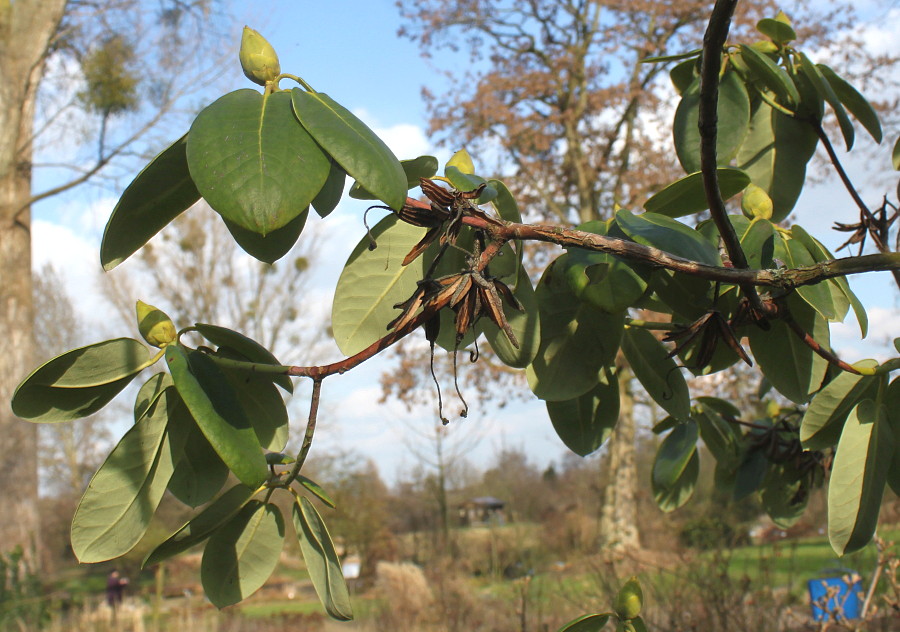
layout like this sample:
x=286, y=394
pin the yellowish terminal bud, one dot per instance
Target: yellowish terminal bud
x=629, y=599
x=756, y=202
x=462, y=161
x=155, y=326
x=258, y=59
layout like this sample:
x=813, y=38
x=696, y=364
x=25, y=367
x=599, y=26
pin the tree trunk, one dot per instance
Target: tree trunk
x=618, y=516
x=26, y=29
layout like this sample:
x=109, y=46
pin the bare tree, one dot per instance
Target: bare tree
x=105, y=48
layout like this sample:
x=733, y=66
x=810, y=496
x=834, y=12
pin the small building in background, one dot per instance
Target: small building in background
x=482, y=511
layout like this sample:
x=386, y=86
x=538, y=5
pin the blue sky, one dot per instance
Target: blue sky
x=350, y=50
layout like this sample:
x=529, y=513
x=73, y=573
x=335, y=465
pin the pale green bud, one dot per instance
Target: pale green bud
x=629, y=599
x=258, y=59
x=756, y=202
x=155, y=326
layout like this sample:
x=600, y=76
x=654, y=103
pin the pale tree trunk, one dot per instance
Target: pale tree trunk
x=618, y=516
x=26, y=29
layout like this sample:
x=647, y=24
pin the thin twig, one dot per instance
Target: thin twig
x=310, y=431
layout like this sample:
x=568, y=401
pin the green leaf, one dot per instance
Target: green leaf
x=839, y=285
x=812, y=72
x=892, y=407
x=758, y=243
x=241, y=555
x=864, y=455
x=262, y=404
x=674, y=454
x=791, y=366
x=198, y=528
x=733, y=114
x=687, y=195
x=853, y=101
x=123, y=495
x=774, y=155
x=773, y=76
x=585, y=423
x=671, y=498
x=719, y=435
x=79, y=382
x=683, y=75
x=149, y=392
x=315, y=489
x=505, y=203
x=216, y=410
x=322, y=561
x=525, y=325
x=657, y=372
x=817, y=295
x=577, y=340
x=273, y=246
x=353, y=145
x=251, y=160
x=587, y=623
x=247, y=347
x=327, y=198
x=160, y=193
x=469, y=182
x=372, y=282
x=776, y=30
x=200, y=473
x=750, y=474
x=824, y=418
x=414, y=169
x=668, y=235
x=691, y=54
x=784, y=496
x=895, y=155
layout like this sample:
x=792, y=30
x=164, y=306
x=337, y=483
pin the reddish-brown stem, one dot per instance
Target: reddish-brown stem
x=821, y=351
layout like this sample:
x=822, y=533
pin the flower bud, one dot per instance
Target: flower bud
x=629, y=600
x=155, y=326
x=258, y=59
x=756, y=202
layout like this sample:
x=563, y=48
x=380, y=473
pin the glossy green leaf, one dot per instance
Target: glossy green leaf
x=273, y=246
x=372, y=282
x=241, y=555
x=585, y=423
x=123, y=495
x=322, y=561
x=160, y=193
x=733, y=115
x=750, y=474
x=587, y=623
x=604, y=280
x=839, y=285
x=682, y=75
x=79, y=382
x=776, y=30
x=687, y=195
x=784, y=496
x=525, y=325
x=824, y=418
x=774, y=155
x=817, y=295
x=414, y=169
x=671, y=498
x=790, y=365
x=864, y=455
x=853, y=101
x=773, y=76
x=215, y=408
x=505, y=203
x=261, y=402
x=251, y=160
x=669, y=235
x=577, y=340
x=200, y=473
x=892, y=408
x=316, y=490
x=758, y=243
x=198, y=528
x=657, y=373
x=149, y=392
x=823, y=87
x=327, y=198
x=674, y=454
x=468, y=182
x=247, y=347
x=718, y=434
x=895, y=155
x=355, y=147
